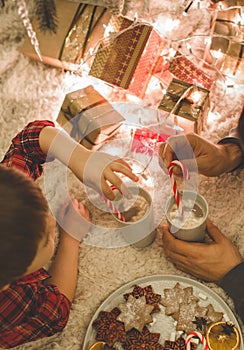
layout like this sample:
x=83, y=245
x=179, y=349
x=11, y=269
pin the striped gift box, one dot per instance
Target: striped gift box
x=127, y=57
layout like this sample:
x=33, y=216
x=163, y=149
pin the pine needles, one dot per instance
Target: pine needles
x=46, y=15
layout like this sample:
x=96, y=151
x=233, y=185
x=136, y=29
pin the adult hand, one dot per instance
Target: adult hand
x=199, y=154
x=208, y=261
x=74, y=219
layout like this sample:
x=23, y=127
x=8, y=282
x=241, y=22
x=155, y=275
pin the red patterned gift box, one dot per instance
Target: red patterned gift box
x=127, y=57
x=187, y=105
x=147, y=141
x=183, y=69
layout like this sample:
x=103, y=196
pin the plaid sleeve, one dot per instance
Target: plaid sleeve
x=49, y=316
x=25, y=153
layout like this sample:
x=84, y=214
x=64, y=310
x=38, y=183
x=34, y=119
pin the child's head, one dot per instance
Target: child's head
x=24, y=225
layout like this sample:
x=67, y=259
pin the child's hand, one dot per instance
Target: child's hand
x=100, y=172
x=74, y=219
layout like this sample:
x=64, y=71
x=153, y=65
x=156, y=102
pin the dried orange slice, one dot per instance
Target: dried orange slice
x=99, y=345
x=223, y=336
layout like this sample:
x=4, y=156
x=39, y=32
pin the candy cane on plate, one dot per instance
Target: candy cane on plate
x=112, y=206
x=198, y=335
x=175, y=188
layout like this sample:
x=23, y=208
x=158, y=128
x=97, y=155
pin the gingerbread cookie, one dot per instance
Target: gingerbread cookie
x=151, y=297
x=135, y=313
x=142, y=340
x=108, y=328
x=173, y=297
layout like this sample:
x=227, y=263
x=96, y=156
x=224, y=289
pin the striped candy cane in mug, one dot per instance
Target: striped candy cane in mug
x=112, y=207
x=174, y=187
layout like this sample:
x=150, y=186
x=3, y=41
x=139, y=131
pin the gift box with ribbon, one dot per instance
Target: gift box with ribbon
x=222, y=4
x=80, y=27
x=127, y=56
x=226, y=49
x=187, y=105
x=88, y=117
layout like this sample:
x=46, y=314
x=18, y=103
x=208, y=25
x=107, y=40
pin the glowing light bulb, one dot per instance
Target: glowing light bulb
x=217, y=54
x=196, y=97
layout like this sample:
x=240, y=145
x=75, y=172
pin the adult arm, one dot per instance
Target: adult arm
x=233, y=286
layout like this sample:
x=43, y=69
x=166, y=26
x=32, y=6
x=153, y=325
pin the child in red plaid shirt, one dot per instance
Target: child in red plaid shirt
x=35, y=303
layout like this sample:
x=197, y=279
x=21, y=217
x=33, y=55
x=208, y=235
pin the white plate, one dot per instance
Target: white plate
x=163, y=324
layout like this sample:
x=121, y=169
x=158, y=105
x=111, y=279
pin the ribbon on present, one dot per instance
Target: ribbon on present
x=76, y=131
x=180, y=99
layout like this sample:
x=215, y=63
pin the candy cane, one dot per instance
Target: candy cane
x=198, y=335
x=175, y=189
x=112, y=206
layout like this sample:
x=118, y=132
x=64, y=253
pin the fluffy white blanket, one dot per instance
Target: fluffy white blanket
x=31, y=90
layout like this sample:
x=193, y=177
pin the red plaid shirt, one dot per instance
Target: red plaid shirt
x=30, y=309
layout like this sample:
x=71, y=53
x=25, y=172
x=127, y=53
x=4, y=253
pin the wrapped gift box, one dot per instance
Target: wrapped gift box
x=227, y=3
x=227, y=47
x=80, y=27
x=127, y=57
x=147, y=141
x=181, y=68
x=115, y=6
x=187, y=104
x=88, y=117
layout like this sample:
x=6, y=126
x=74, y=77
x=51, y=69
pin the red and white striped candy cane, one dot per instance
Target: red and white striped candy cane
x=198, y=335
x=112, y=206
x=175, y=189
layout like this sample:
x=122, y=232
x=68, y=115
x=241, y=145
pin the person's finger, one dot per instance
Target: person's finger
x=176, y=247
x=120, y=167
x=75, y=203
x=84, y=211
x=190, y=165
x=106, y=190
x=214, y=232
x=168, y=155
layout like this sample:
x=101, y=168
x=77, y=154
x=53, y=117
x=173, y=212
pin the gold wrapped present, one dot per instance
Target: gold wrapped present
x=187, y=105
x=80, y=27
x=226, y=49
x=228, y=3
x=88, y=117
x=227, y=32
x=126, y=58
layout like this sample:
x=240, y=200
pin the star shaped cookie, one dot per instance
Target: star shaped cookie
x=108, y=328
x=151, y=297
x=135, y=313
x=144, y=340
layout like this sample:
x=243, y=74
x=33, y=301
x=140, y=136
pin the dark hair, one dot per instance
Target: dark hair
x=23, y=219
x=240, y=127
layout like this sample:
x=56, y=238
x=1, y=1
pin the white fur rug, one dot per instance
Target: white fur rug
x=31, y=90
